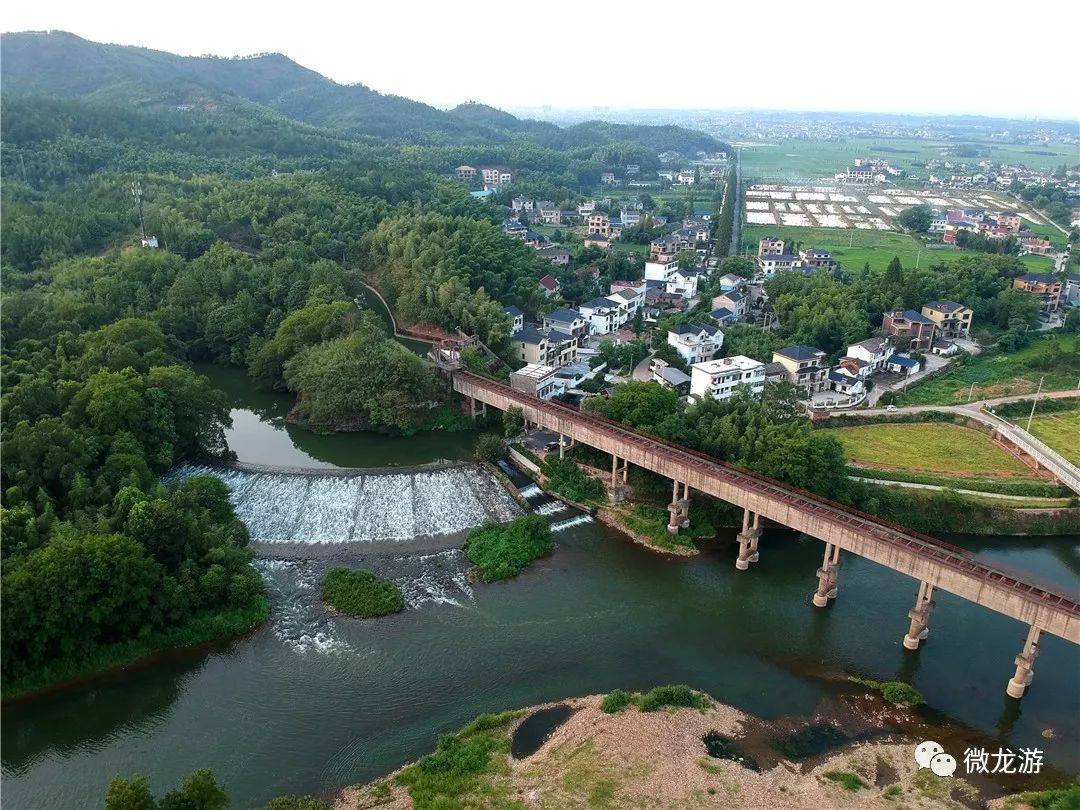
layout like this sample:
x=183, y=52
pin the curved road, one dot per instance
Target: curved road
x=1064, y=470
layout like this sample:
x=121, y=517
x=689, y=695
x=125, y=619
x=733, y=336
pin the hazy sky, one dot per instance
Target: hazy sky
x=912, y=56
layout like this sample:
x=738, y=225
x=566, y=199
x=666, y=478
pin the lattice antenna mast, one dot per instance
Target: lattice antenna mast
x=136, y=192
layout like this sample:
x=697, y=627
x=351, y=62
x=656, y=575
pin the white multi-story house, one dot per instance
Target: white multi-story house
x=521, y=204
x=631, y=298
x=603, y=315
x=586, y=208
x=683, y=283
x=695, y=342
x=772, y=263
x=630, y=217
x=550, y=216
x=719, y=379
x=660, y=270
x=569, y=321
x=874, y=352
x=517, y=318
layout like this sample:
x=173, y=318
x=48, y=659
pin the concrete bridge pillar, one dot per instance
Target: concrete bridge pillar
x=679, y=507
x=562, y=445
x=920, y=616
x=827, y=576
x=748, y=540
x=619, y=468
x=1025, y=664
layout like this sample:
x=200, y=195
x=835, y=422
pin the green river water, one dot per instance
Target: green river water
x=310, y=703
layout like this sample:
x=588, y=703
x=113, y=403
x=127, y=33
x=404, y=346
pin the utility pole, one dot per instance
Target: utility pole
x=1034, y=402
x=918, y=257
x=971, y=391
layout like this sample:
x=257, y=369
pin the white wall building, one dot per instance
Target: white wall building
x=696, y=342
x=660, y=270
x=719, y=378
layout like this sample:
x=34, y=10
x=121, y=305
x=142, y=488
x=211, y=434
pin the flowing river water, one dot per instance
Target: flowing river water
x=312, y=702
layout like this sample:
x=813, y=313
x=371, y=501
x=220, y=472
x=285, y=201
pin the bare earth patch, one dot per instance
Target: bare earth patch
x=658, y=759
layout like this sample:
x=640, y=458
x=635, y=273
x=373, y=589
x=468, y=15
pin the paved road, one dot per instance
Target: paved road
x=736, y=224
x=1065, y=471
x=979, y=492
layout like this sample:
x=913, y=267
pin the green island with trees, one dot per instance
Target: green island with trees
x=500, y=551
x=360, y=593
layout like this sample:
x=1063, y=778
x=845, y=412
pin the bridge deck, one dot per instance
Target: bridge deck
x=920, y=556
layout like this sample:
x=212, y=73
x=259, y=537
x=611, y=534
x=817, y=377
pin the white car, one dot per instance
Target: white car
x=890, y=408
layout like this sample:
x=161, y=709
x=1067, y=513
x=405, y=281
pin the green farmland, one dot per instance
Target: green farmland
x=854, y=248
x=803, y=161
x=999, y=375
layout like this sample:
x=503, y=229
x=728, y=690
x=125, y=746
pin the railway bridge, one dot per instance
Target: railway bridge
x=935, y=565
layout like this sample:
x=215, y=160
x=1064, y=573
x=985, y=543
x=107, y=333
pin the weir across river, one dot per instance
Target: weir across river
x=931, y=562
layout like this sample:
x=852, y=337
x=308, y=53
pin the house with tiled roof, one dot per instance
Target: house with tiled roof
x=953, y=320
x=804, y=366
x=696, y=342
x=1045, y=286
x=550, y=285
x=912, y=328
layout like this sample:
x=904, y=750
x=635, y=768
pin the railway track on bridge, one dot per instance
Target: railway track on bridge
x=923, y=545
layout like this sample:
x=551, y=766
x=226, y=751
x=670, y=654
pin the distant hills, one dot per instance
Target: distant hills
x=61, y=65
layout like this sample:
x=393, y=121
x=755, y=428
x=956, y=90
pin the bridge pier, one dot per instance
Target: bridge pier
x=827, y=576
x=473, y=410
x=679, y=507
x=1025, y=665
x=920, y=616
x=619, y=468
x=748, y=540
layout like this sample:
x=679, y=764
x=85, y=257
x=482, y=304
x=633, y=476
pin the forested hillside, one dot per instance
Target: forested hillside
x=60, y=65
x=271, y=190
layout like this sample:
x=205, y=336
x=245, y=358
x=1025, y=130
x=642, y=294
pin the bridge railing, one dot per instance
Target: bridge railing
x=939, y=550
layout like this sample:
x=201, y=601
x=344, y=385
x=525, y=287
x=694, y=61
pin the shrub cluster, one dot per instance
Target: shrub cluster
x=502, y=551
x=359, y=593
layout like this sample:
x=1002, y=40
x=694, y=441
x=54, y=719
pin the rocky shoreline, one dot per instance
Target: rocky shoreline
x=635, y=758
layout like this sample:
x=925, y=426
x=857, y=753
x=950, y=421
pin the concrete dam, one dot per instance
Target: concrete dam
x=284, y=505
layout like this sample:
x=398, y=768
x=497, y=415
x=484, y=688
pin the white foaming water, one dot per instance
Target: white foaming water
x=550, y=508
x=531, y=491
x=577, y=520
x=440, y=578
x=284, y=508
x=296, y=616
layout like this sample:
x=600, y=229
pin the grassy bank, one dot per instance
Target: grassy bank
x=1015, y=486
x=206, y=628
x=932, y=447
x=1060, y=431
x=949, y=512
x=998, y=374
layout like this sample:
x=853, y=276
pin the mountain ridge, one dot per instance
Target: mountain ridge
x=62, y=65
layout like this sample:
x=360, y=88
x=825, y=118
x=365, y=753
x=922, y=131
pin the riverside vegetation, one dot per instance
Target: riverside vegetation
x=359, y=593
x=503, y=550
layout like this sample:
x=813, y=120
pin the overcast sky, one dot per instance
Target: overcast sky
x=993, y=58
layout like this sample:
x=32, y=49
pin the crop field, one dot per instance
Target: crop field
x=854, y=248
x=798, y=161
x=863, y=207
x=928, y=447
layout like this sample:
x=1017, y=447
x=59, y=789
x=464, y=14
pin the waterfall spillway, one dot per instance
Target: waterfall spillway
x=280, y=507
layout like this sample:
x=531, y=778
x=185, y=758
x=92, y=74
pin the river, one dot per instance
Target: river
x=312, y=702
